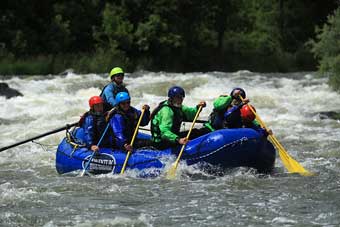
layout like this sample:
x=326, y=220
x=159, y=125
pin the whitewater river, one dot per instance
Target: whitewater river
x=33, y=194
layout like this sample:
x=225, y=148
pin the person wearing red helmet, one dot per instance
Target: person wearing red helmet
x=249, y=120
x=246, y=113
x=94, y=124
x=96, y=104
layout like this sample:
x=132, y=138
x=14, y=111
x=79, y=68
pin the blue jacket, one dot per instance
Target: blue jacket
x=230, y=118
x=94, y=126
x=110, y=91
x=124, y=123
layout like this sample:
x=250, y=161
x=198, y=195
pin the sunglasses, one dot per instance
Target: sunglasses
x=119, y=75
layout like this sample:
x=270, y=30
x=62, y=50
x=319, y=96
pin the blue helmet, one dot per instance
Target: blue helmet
x=121, y=97
x=176, y=91
x=242, y=92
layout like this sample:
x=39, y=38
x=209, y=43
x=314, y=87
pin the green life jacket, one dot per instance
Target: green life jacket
x=176, y=121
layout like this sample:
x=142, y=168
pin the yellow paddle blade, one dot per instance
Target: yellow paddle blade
x=171, y=173
x=290, y=163
x=293, y=166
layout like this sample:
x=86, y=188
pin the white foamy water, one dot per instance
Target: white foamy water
x=32, y=192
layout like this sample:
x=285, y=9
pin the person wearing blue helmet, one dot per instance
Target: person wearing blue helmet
x=110, y=91
x=167, y=118
x=226, y=112
x=123, y=120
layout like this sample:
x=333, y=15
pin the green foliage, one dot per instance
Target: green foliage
x=326, y=47
x=32, y=66
x=173, y=35
x=115, y=30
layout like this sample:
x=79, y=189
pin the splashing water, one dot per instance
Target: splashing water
x=33, y=194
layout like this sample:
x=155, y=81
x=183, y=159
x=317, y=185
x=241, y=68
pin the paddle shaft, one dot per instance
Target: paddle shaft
x=188, y=135
x=271, y=137
x=99, y=142
x=197, y=121
x=132, y=141
x=39, y=136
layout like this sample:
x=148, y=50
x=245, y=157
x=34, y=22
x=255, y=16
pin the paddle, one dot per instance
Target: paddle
x=39, y=136
x=132, y=141
x=99, y=142
x=291, y=165
x=197, y=121
x=172, y=171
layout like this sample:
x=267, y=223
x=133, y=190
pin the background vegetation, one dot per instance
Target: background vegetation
x=326, y=48
x=42, y=37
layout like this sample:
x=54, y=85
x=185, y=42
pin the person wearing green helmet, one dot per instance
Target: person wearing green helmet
x=110, y=91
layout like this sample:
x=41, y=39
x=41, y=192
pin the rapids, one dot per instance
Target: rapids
x=33, y=194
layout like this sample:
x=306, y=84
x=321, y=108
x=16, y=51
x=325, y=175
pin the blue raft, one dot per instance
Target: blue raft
x=226, y=148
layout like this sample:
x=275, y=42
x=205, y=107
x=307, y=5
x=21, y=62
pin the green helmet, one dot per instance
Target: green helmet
x=115, y=71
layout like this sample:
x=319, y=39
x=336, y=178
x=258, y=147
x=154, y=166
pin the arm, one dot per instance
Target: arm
x=231, y=110
x=146, y=117
x=108, y=93
x=165, y=117
x=189, y=112
x=117, y=124
x=222, y=102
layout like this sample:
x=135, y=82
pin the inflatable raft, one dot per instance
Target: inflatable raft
x=226, y=148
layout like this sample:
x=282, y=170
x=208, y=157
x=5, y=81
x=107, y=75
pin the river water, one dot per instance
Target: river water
x=33, y=194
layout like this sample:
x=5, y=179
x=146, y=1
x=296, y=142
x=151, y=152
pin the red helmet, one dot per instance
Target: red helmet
x=95, y=100
x=247, y=114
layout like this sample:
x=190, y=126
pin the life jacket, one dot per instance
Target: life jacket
x=116, y=90
x=130, y=120
x=99, y=125
x=218, y=121
x=176, y=121
x=234, y=120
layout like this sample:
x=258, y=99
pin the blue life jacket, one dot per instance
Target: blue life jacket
x=226, y=119
x=123, y=124
x=109, y=93
x=94, y=126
